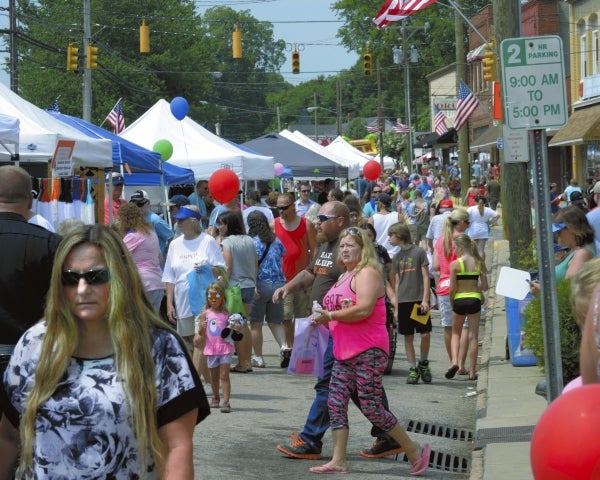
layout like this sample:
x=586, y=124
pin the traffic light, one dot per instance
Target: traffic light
x=144, y=37
x=489, y=63
x=91, y=56
x=237, y=43
x=72, y=58
x=367, y=63
x=295, y=61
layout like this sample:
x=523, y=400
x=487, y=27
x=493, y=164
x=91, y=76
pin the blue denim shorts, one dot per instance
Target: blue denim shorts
x=247, y=295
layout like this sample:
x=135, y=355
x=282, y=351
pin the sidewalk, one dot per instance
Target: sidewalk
x=507, y=407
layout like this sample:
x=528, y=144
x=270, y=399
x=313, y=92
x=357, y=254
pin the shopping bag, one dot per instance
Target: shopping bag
x=310, y=343
x=199, y=280
x=233, y=295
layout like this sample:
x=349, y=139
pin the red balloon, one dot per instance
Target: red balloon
x=564, y=444
x=224, y=185
x=372, y=170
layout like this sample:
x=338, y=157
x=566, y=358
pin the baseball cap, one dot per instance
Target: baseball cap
x=385, y=199
x=185, y=212
x=117, y=178
x=576, y=198
x=446, y=204
x=177, y=201
x=411, y=185
x=139, y=196
x=557, y=227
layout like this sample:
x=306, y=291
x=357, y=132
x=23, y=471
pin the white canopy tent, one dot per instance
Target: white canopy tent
x=303, y=140
x=39, y=132
x=194, y=147
x=342, y=148
x=9, y=133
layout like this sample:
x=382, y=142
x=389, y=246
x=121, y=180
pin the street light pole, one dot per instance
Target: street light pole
x=403, y=58
x=316, y=126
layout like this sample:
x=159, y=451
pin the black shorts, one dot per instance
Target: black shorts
x=466, y=306
x=408, y=326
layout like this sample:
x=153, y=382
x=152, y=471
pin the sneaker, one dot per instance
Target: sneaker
x=285, y=356
x=226, y=407
x=207, y=389
x=413, y=376
x=424, y=371
x=298, y=448
x=382, y=448
x=214, y=403
x=258, y=361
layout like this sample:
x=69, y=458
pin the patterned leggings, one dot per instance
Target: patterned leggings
x=363, y=373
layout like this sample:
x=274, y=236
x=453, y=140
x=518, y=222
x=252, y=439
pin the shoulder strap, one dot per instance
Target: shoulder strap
x=262, y=257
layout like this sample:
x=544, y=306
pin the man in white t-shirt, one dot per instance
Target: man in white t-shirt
x=254, y=204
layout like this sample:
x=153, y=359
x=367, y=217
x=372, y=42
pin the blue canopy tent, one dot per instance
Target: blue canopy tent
x=145, y=166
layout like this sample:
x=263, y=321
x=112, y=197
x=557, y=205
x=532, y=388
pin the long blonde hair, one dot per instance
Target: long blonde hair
x=131, y=319
x=369, y=257
x=458, y=215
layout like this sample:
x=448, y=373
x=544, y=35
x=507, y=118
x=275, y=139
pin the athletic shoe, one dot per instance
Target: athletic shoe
x=226, y=407
x=258, y=361
x=285, y=355
x=382, y=448
x=413, y=376
x=298, y=448
x=424, y=371
x=207, y=389
x=214, y=403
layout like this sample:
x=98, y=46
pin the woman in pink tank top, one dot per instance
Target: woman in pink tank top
x=354, y=309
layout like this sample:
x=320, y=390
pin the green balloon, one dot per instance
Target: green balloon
x=164, y=148
x=274, y=183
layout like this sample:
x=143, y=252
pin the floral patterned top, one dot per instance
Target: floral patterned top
x=84, y=430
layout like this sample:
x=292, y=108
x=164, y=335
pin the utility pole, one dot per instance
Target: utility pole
x=87, y=73
x=14, y=56
x=463, y=133
x=380, y=119
x=516, y=210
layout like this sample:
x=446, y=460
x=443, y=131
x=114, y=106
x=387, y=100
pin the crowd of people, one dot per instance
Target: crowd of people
x=397, y=246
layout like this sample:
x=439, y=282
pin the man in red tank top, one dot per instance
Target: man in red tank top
x=298, y=236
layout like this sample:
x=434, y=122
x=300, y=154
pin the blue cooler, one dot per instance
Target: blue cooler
x=519, y=355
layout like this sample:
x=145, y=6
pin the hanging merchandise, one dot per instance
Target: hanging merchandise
x=87, y=209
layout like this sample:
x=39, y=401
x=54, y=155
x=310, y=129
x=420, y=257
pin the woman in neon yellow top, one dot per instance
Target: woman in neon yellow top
x=468, y=281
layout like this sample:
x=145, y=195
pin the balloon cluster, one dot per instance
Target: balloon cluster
x=179, y=109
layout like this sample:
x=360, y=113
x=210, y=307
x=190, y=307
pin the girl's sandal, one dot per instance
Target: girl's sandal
x=422, y=464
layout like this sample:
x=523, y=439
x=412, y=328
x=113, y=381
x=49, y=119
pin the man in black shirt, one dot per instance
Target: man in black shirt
x=26, y=259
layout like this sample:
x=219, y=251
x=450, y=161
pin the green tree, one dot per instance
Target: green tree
x=190, y=57
x=356, y=129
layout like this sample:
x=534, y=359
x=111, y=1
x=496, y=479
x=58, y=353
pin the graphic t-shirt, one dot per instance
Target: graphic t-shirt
x=84, y=430
x=325, y=269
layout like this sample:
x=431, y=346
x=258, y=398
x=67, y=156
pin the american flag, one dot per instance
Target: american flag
x=394, y=10
x=467, y=103
x=373, y=129
x=54, y=107
x=116, y=117
x=401, y=128
x=439, y=121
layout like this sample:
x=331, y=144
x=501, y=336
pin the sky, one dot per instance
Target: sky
x=314, y=29
x=308, y=23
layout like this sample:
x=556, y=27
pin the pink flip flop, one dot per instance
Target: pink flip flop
x=422, y=463
x=326, y=469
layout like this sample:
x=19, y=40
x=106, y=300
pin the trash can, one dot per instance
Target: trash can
x=515, y=318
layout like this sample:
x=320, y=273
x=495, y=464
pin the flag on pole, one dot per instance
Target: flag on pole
x=116, y=117
x=401, y=128
x=373, y=129
x=395, y=10
x=439, y=121
x=54, y=106
x=465, y=106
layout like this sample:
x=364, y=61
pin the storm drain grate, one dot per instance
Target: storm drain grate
x=443, y=431
x=503, y=435
x=443, y=461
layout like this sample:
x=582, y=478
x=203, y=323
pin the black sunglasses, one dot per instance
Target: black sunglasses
x=71, y=278
x=324, y=218
x=352, y=231
x=284, y=207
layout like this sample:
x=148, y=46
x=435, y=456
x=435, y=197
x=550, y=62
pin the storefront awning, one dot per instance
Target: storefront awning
x=476, y=54
x=487, y=140
x=583, y=127
x=432, y=139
